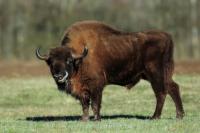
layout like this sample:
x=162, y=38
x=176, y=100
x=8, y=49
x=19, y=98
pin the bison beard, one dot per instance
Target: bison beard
x=113, y=57
x=64, y=86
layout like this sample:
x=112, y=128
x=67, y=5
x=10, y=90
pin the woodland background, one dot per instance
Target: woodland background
x=27, y=24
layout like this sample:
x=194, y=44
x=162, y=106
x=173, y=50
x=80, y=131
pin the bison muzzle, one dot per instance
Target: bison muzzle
x=93, y=54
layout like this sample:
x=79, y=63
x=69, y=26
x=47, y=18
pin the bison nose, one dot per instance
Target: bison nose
x=61, y=77
x=58, y=76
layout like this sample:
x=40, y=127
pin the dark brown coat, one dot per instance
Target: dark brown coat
x=116, y=57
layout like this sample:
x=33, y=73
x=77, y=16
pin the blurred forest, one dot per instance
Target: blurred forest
x=27, y=24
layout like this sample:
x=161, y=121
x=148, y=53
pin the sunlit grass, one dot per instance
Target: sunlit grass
x=33, y=98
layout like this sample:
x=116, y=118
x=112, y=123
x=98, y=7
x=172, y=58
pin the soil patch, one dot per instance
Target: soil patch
x=34, y=68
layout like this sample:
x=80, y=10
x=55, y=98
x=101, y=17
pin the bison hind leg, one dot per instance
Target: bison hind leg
x=155, y=76
x=162, y=83
x=160, y=93
x=173, y=90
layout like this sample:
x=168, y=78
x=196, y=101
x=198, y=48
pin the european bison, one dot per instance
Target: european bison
x=93, y=54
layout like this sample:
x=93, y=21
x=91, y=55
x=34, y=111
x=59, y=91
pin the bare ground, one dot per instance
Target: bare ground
x=35, y=68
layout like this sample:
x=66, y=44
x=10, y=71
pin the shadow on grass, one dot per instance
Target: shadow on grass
x=76, y=118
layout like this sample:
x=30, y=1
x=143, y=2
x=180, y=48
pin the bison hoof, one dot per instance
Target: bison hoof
x=180, y=115
x=84, y=118
x=96, y=119
x=155, y=118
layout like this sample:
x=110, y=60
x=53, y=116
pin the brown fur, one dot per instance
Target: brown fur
x=116, y=57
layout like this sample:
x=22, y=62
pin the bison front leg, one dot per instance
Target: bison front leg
x=85, y=101
x=96, y=105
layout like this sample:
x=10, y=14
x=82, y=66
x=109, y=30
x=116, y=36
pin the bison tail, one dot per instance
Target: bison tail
x=168, y=61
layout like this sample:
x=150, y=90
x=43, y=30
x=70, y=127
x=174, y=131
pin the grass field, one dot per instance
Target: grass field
x=35, y=105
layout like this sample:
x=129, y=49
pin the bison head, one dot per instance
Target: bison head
x=63, y=63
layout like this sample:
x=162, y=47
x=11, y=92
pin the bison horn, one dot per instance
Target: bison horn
x=39, y=56
x=85, y=52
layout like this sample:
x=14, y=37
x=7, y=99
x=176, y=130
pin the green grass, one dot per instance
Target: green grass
x=38, y=97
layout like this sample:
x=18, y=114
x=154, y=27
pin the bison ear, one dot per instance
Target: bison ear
x=48, y=61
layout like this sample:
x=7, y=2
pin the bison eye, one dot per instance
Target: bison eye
x=69, y=61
